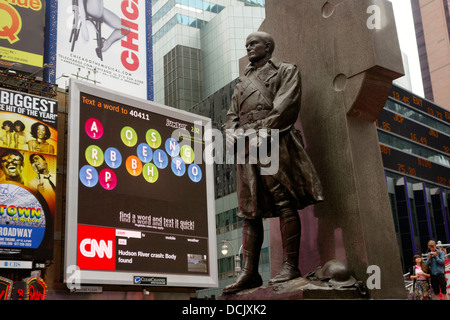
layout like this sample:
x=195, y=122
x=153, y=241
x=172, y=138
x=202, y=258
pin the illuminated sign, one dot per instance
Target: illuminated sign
x=414, y=166
x=420, y=104
x=28, y=151
x=22, y=34
x=412, y=130
x=36, y=288
x=140, y=198
x=31, y=288
x=6, y=286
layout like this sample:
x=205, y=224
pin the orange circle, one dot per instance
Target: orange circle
x=134, y=165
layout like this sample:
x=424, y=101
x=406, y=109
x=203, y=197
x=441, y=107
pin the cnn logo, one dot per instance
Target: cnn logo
x=90, y=248
x=96, y=248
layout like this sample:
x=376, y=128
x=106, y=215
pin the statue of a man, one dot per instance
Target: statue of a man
x=268, y=97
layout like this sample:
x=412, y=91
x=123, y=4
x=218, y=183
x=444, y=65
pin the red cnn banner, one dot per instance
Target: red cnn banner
x=96, y=248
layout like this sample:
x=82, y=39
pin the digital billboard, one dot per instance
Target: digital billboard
x=22, y=35
x=105, y=42
x=28, y=149
x=140, y=200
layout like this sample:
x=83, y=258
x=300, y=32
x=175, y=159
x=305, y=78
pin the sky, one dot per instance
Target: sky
x=408, y=43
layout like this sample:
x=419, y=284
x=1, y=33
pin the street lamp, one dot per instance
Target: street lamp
x=237, y=258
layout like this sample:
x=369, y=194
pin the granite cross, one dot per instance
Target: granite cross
x=348, y=54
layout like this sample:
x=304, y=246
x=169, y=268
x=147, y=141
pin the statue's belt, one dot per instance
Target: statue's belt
x=253, y=116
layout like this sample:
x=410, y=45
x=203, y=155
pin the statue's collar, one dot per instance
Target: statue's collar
x=273, y=62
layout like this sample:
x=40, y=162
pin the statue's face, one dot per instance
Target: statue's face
x=256, y=48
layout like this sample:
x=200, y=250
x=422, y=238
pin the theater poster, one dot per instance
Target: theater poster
x=28, y=148
x=22, y=35
x=104, y=43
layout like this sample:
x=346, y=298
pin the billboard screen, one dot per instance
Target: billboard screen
x=104, y=42
x=28, y=148
x=22, y=35
x=140, y=198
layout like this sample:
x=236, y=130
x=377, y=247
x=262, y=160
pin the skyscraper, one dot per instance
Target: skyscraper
x=432, y=24
x=197, y=45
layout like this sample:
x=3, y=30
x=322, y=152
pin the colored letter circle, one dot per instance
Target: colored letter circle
x=187, y=154
x=128, y=136
x=88, y=176
x=108, y=179
x=150, y=172
x=94, y=156
x=160, y=159
x=172, y=147
x=145, y=152
x=194, y=172
x=178, y=166
x=113, y=158
x=94, y=128
x=153, y=138
x=134, y=165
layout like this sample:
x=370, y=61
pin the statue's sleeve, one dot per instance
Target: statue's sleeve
x=233, y=112
x=286, y=104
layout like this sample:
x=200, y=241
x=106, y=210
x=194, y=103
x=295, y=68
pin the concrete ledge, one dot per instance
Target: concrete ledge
x=296, y=289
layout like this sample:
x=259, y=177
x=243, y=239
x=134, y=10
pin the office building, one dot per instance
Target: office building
x=197, y=45
x=432, y=24
x=414, y=135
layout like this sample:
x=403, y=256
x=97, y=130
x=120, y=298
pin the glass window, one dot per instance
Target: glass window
x=415, y=115
x=413, y=148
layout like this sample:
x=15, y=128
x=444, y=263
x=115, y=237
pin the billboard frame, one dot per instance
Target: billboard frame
x=72, y=272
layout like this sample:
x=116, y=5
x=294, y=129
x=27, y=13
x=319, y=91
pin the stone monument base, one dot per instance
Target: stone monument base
x=296, y=289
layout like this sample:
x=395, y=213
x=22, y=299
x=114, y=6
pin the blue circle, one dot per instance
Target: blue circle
x=178, y=166
x=89, y=176
x=172, y=147
x=144, y=152
x=113, y=158
x=195, y=173
x=160, y=159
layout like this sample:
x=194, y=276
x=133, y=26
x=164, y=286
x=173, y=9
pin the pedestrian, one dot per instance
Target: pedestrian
x=436, y=264
x=421, y=282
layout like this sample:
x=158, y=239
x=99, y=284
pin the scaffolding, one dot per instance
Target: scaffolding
x=10, y=79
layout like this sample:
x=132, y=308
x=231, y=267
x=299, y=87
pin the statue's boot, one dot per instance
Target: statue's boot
x=290, y=236
x=253, y=236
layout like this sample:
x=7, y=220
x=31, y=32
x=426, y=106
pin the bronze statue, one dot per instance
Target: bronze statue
x=268, y=97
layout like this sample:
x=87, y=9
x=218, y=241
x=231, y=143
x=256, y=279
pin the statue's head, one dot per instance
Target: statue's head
x=259, y=45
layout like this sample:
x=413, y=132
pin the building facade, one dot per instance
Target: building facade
x=197, y=45
x=414, y=135
x=432, y=24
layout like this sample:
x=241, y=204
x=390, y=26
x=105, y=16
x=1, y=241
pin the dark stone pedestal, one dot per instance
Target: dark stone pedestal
x=297, y=289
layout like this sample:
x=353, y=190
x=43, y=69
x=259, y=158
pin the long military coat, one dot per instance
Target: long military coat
x=269, y=98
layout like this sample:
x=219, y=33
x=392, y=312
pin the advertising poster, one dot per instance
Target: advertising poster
x=28, y=148
x=140, y=198
x=22, y=34
x=103, y=42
